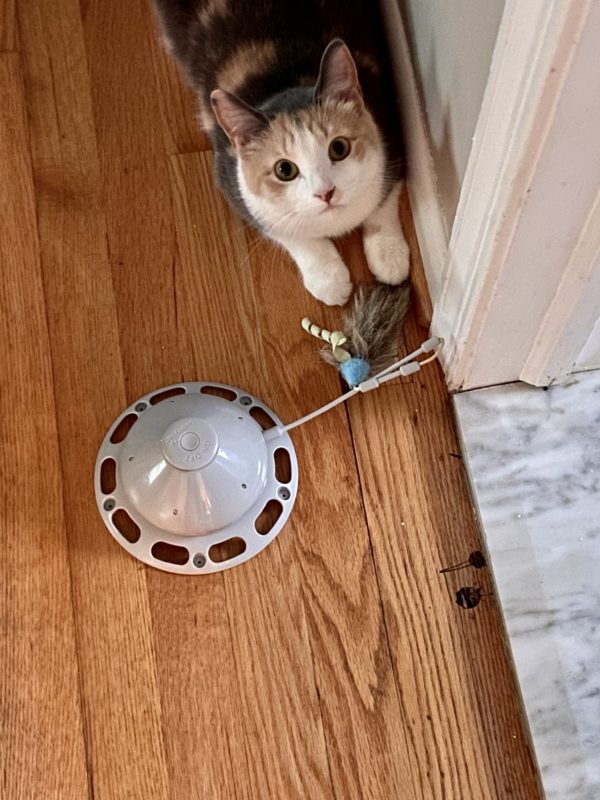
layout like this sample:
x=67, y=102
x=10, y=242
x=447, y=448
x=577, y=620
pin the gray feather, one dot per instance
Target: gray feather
x=373, y=324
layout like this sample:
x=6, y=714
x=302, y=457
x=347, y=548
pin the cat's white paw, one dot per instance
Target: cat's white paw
x=388, y=256
x=324, y=273
x=331, y=286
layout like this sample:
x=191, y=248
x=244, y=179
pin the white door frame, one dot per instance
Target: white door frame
x=516, y=292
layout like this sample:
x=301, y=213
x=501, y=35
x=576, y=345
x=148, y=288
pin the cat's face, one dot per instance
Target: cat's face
x=316, y=173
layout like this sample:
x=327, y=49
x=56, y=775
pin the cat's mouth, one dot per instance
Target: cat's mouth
x=331, y=207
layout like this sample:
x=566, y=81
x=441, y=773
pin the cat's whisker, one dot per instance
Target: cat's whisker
x=252, y=250
x=286, y=226
x=283, y=220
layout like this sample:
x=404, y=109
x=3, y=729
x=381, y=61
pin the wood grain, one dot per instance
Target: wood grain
x=135, y=182
x=178, y=106
x=41, y=721
x=8, y=26
x=334, y=666
x=421, y=299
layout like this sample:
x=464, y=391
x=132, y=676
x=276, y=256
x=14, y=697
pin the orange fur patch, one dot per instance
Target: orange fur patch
x=213, y=9
x=326, y=121
x=248, y=61
x=206, y=118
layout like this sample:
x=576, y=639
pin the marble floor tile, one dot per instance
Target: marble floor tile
x=533, y=457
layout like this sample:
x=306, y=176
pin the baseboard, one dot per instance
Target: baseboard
x=430, y=225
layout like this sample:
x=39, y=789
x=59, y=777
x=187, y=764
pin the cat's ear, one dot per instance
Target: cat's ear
x=240, y=121
x=338, y=78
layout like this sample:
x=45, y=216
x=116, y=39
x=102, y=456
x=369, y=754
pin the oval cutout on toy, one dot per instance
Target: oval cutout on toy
x=166, y=395
x=123, y=428
x=268, y=517
x=128, y=529
x=108, y=476
x=283, y=465
x=170, y=553
x=259, y=415
x=219, y=391
x=225, y=551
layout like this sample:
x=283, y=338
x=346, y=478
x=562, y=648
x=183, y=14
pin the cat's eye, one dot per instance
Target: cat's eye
x=339, y=148
x=286, y=170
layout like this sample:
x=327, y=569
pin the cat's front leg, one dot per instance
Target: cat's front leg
x=324, y=273
x=385, y=246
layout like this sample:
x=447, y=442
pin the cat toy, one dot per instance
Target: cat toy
x=367, y=345
x=199, y=477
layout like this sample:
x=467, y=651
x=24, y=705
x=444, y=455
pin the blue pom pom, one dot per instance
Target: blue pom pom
x=354, y=371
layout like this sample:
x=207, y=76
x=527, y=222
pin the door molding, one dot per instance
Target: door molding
x=518, y=237
x=574, y=310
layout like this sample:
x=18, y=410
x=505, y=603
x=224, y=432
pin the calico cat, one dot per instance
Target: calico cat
x=301, y=111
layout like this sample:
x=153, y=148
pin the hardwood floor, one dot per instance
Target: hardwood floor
x=337, y=664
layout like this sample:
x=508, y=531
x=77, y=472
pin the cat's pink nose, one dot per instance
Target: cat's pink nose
x=325, y=194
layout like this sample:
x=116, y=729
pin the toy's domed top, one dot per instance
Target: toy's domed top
x=193, y=464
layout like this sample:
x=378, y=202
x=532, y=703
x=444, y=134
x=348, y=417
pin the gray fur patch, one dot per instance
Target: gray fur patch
x=373, y=324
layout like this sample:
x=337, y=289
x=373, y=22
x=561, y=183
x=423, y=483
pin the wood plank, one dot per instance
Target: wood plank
x=420, y=298
x=178, y=105
x=135, y=181
x=204, y=739
x=458, y=690
x=39, y=675
x=279, y=703
x=121, y=702
x=8, y=26
x=214, y=288
x=126, y=106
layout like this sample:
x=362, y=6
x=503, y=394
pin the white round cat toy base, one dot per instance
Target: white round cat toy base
x=186, y=482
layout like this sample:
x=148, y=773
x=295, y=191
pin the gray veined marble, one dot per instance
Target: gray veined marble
x=534, y=462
